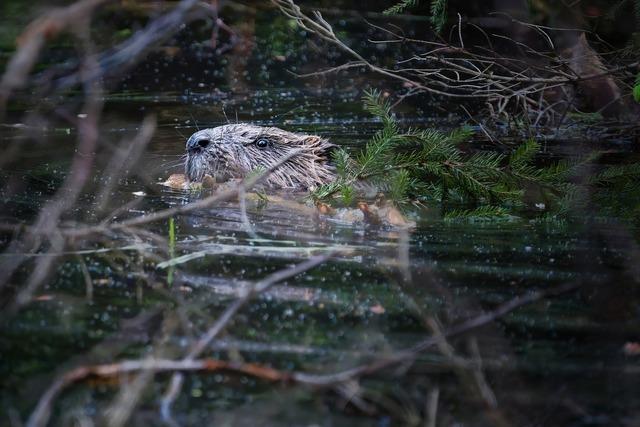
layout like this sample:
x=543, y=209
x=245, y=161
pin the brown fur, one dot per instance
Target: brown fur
x=232, y=152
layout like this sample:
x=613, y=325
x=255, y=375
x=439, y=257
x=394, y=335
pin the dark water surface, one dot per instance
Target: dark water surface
x=559, y=361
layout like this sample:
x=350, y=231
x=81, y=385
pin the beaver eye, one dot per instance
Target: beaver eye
x=262, y=143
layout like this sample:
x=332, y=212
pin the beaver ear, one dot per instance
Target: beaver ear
x=310, y=140
x=328, y=151
x=320, y=144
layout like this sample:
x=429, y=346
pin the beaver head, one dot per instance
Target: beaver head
x=235, y=150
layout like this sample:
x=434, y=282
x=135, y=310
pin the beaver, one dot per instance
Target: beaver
x=235, y=150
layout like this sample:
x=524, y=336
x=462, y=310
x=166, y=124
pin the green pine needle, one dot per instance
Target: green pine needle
x=636, y=86
x=524, y=154
x=400, y=186
x=460, y=135
x=481, y=213
x=400, y=7
x=325, y=191
x=438, y=14
x=617, y=173
x=348, y=194
x=344, y=164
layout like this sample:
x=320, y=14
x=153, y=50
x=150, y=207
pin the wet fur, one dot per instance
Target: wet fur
x=232, y=153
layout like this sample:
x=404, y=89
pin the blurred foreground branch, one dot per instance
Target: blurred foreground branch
x=41, y=413
x=19, y=249
x=247, y=294
x=46, y=236
x=74, y=17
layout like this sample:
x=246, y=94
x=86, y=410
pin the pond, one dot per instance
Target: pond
x=567, y=357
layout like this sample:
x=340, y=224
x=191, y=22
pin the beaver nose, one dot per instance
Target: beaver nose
x=196, y=145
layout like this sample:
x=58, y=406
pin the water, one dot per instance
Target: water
x=559, y=361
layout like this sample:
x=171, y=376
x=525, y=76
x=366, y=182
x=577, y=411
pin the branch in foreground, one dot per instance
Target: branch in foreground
x=40, y=416
x=66, y=196
x=411, y=352
x=246, y=184
x=76, y=19
x=33, y=39
x=41, y=413
x=260, y=287
x=127, y=225
x=122, y=57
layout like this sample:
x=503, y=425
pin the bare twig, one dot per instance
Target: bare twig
x=232, y=192
x=105, y=227
x=505, y=84
x=242, y=198
x=128, y=53
x=431, y=408
x=87, y=278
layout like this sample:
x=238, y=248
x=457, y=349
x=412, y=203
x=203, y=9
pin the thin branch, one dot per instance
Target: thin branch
x=40, y=416
x=248, y=293
x=411, y=352
x=129, y=52
x=505, y=83
x=46, y=224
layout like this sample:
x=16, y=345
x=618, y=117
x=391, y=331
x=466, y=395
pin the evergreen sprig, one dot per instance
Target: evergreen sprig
x=431, y=165
x=428, y=164
x=400, y=7
x=617, y=173
x=438, y=14
x=481, y=213
x=438, y=8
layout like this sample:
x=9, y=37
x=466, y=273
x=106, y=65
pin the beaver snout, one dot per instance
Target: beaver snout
x=196, y=145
